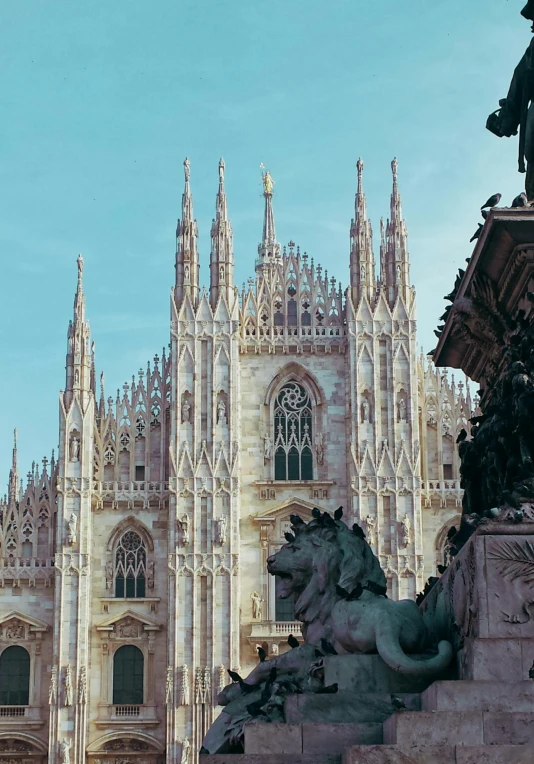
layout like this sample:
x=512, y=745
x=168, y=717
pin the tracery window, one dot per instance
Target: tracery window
x=128, y=668
x=14, y=677
x=293, y=434
x=130, y=566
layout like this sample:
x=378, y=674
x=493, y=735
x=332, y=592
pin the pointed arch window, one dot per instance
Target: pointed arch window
x=130, y=565
x=128, y=669
x=15, y=677
x=293, y=458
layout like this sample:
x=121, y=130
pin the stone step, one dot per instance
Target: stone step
x=460, y=727
x=255, y=758
x=369, y=673
x=479, y=695
x=392, y=754
x=330, y=739
x=460, y=754
x=345, y=706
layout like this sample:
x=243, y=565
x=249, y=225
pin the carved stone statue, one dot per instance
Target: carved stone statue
x=74, y=453
x=370, y=525
x=319, y=447
x=256, y=605
x=64, y=751
x=267, y=447
x=268, y=182
x=186, y=272
x=184, y=686
x=109, y=574
x=184, y=526
x=186, y=751
x=168, y=687
x=401, y=407
x=365, y=409
x=221, y=412
x=406, y=531
x=14, y=630
x=515, y=111
x=68, y=686
x=319, y=570
x=52, y=690
x=221, y=525
x=72, y=529
x=186, y=410
x=363, y=273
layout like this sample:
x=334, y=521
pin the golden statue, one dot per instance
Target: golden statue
x=268, y=182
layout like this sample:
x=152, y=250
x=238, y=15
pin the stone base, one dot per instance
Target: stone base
x=309, y=738
x=346, y=707
x=483, y=696
x=443, y=754
x=369, y=673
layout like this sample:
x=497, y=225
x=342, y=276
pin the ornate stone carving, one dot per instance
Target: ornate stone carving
x=267, y=447
x=169, y=692
x=74, y=447
x=52, y=690
x=184, y=686
x=221, y=678
x=370, y=525
x=220, y=530
x=64, y=751
x=82, y=686
x=319, y=447
x=14, y=629
x=406, y=531
x=183, y=523
x=257, y=601
x=128, y=628
x=202, y=685
x=221, y=412
x=72, y=529
x=68, y=689
x=185, y=754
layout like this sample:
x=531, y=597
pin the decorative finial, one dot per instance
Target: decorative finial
x=15, y=437
x=359, y=165
x=221, y=170
x=187, y=169
x=268, y=182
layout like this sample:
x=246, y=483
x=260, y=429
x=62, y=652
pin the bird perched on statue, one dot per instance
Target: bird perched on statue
x=355, y=594
x=244, y=687
x=442, y=569
x=493, y=201
x=262, y=655
x=397, y=703
x=477, y=233
x=438, y=333
x=293, y=642
x=462, y=435
x=358, y=531
x=327, y=647
x=296, y=520
x=520, y=200
x=518, y=516
x=374, y=588
x=484, y=214
x=338, y=514
x=316, y=513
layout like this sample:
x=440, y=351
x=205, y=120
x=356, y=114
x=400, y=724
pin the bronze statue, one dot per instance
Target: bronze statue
x=516, y=110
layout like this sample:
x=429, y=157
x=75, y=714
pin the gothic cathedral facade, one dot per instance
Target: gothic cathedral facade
x=132, y=566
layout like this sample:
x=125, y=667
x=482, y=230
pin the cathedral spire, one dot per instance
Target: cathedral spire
x=222, y=252
x=269, y=247
x=397, y=264
x=362, y=261
x=80, y=357
x=13, y=472
x=187, y=266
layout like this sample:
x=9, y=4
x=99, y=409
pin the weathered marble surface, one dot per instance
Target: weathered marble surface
x=427, y=728
x=345, y=707
x=388, y=754
x=369, y=673
x=482, y=695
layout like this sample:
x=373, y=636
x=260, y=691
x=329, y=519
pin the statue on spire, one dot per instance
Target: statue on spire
x=221, y=170
x=394, y=168
x=79, y=260
x=268, y=182
x=187, y=169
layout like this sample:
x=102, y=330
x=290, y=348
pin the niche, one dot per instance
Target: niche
x=186, y=407
x=222, y=408
x=366, y=413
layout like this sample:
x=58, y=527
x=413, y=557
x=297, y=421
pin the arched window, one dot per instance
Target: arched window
x=130, y=566
x=293, y=434
x=128, y=665
x=15, y=677
x=284, y=608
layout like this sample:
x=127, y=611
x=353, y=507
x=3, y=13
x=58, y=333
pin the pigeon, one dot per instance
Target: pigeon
x=397, y=703
x=461, y=273
x=328, y=520
x=530, y=296
x=244, y=687
x=293, y=642
x=520, y=201
x=204, y=750
x=531, y=672
x=289, y=537
x=327, y=647
x=518, y=516
x=261, y=654
x=452, y=532
x=355, y=594
x=477, y=233
x=493, y=201
x=442, y=569
x=485, y=214
x=338, y=514
x=328, y=690
x=359, y=532
x=316, y=513
x=446, y=314
x=441, y=328
x=380, y=591
x=462, y=435
x=419, y=598
x=437, y=333
x=296, y=520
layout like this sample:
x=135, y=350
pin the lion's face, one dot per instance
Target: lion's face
x=293, y=564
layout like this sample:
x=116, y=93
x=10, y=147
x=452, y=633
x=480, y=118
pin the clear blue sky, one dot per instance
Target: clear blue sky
x=101, y=102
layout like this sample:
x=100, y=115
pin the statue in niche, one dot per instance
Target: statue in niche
x=275, y=649
x=150, y=574
x=186, y=272
x=72, y=528
x=168, y=687
x=74, y=452
x=370, y=525
x=109, y=574
x=399, y=273
x=186, y=410
x=267, y=447
x=52, y=690
x=184, y=691
x=64, y=751
x=365, y=409
x=221, y=274
x=186, y=751
x=220, y=530
x=363, y=272
x=319, y=447
x=221, y=412
x=406, y=531
x=77, y=375
x=256, y=605
x=401, y=407
x=68, y=686
x=184, y=526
